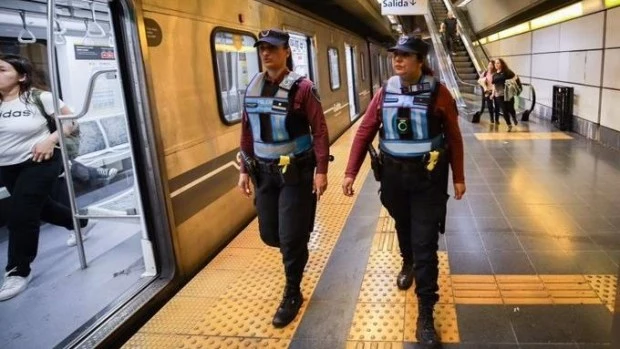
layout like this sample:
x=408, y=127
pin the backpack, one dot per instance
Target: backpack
x=72, y=141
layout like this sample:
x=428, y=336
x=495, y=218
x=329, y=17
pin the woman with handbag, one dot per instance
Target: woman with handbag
x=30, y=162
x=486, y=82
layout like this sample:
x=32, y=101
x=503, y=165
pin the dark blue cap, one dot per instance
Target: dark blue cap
x=273, y=36
x=410, y=44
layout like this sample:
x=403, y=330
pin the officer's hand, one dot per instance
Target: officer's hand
x=459, y=190
x=244, y=184
x=347, y=186
x=320, y=184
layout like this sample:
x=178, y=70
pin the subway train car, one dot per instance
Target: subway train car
x=158, y=87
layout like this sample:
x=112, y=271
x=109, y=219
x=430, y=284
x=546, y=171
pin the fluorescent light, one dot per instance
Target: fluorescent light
x=558, y=16
x=517, y=29
x=483, y=41
x=493, y=37
x=392, y=19
x=464, y=3
x=611, y=3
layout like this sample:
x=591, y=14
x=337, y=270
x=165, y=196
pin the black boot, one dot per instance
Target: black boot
x=405, y=277
x=425, y=332
x=291, y=302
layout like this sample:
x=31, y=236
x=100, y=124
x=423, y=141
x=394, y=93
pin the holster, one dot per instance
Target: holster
x=250, y=165
x=375, y=163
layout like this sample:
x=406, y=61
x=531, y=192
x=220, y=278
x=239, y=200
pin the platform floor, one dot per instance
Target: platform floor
x=529, y=260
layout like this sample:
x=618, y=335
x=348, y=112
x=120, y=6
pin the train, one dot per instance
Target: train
x=181, y=72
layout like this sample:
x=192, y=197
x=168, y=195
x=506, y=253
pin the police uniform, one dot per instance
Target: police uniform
x=419, y=139
x=284, y=135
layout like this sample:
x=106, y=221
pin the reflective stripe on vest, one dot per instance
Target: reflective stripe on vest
x=418, y=104
x=278, y=109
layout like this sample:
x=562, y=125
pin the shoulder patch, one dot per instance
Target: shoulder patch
x=315, y=93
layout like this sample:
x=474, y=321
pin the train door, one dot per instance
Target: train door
x=82, y=276
x=351, y=83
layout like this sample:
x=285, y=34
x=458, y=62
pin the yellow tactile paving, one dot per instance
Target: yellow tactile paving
x=246, y=280
x=522, y=136
x=445, y=322
x=378, y=322
x=374, y=345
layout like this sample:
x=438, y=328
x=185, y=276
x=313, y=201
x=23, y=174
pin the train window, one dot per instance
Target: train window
x=334, y=68
x=236, y=62
x=301, y=55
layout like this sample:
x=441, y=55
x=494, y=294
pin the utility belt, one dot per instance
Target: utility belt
x=301, y=161
x=426, y=163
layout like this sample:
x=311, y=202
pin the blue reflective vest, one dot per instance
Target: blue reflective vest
x=408, y=129
x=279, y=110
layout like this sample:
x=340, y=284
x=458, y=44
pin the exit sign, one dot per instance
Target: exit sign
x=404, y=7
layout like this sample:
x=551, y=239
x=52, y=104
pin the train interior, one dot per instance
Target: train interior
x=531, y=253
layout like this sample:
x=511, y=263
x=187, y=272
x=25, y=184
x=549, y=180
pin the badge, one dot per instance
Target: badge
x=264, y=33
x=315, y=93
x=403, y=40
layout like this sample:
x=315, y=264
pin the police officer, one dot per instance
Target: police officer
x=419, y=138
x=283, y=139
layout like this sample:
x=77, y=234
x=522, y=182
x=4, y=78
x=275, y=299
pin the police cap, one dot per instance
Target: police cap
x=410, y=44
x=273, y=36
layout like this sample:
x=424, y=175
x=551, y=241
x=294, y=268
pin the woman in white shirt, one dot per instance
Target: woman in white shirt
x=30, y=163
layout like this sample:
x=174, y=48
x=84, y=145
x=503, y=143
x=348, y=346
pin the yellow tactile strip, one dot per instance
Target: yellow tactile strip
x=231, y=302
x=522, y=136
x=386, y=315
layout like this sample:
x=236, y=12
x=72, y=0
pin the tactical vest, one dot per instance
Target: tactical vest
x=409, y=129
x=289, y=132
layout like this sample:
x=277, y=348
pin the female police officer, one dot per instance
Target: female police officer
x=419, y=137
x=283, y=138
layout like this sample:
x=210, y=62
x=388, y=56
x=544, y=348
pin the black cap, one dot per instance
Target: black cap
x=274, y=37
x=411, y=44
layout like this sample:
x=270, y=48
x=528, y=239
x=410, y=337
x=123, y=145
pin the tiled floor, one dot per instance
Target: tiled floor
x=529, y=260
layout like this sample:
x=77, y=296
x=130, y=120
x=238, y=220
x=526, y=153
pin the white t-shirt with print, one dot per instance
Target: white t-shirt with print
x=21, y=127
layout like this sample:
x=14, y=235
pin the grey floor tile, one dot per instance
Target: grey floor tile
x=593, y=262
x=538, y=242
x=509, y=262
x=594, y=223
x=562, y=324
x=577, y=243
x=498, y=241
x=469, y=263
x=549, y=346
x=464, y=243
x=493, y=224
x=614, y=255
x=475, y=322
x=460, y=225
x=554, y=262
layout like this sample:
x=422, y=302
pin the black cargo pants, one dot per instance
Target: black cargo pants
x=285, y=205
x=418, y=205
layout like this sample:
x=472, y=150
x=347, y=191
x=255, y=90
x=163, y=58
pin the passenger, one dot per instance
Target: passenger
x=283, y=122
x=486, y=81
x=502, y=99
x=30, y=163
x=419, y=137
x=449, y=27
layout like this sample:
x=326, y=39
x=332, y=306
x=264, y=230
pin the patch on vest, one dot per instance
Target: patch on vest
x=315, y=93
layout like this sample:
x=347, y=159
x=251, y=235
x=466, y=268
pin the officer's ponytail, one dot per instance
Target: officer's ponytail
x=426, y=70
x=289, y=59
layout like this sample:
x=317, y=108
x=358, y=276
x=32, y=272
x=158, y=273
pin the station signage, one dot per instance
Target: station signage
x=404, y=7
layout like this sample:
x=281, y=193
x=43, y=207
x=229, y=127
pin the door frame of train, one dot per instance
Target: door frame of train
x=133, y=58
x=312, y=51
x=351, y=80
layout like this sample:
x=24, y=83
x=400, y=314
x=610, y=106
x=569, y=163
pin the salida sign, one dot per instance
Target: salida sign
x=404, y=7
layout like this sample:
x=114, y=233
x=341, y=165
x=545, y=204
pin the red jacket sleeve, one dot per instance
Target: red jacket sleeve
x=311, y=105
x=445, y=107
x=365, y=134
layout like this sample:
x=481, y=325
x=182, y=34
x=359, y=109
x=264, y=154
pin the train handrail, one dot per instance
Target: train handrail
x=89, y=96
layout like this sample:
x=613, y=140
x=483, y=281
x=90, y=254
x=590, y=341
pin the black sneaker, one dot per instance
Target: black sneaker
x=425, y=332
x=289, y=307
x=404, y=280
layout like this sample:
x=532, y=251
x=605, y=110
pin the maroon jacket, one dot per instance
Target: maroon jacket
x=445, y=109
x=306, y=100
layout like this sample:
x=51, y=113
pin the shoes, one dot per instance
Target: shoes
x=107, y=173
x=289, y=307
x=425, y=332
x=71, y=241
x=13, y=285
x=404, y=280
x=509, y=128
